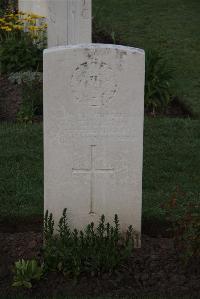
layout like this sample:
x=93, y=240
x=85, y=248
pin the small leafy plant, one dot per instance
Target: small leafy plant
x=93, y=251
x=22, y=40
x=158, y=78
x=100, y=35
x=19, y=54
x=185, y=219
x=25, y=272
x=31, y=92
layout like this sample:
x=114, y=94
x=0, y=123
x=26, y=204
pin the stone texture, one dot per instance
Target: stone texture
x=38, y=7
x=69, y=22
x=93, y=133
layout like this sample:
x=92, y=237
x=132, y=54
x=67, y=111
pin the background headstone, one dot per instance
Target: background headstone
x=38, y=7
x=93, y=133
x=69, y=22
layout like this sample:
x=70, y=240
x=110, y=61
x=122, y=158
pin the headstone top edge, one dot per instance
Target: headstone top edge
x=95, y=46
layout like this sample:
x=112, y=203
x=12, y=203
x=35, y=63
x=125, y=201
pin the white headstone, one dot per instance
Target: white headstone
x=93, y=133
x=69, y=22
x=38, y=7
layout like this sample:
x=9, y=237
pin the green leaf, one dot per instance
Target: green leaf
x=17, y=284
x=27, y=284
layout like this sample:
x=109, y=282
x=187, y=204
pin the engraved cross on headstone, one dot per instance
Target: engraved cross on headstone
x=92, y=171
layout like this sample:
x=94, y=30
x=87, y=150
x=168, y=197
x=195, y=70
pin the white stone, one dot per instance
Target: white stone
x=38, y=7
x=69, y=22
x=93, y=133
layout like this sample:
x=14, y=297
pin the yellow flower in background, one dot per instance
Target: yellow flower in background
x=29, y=23
x=33, y=28
x=18, y=27
x=18, y=22
x=6, y=28
x=35, y=16
x=9, y=24
x=21, y=13
x=27, y=19
x=32, y=22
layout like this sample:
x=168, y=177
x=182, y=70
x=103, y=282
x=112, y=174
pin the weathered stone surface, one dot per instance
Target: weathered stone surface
x=38, y=7
x=93, y=133
x=69, y=22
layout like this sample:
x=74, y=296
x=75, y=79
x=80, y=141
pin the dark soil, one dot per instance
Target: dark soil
x=155, y=269
x=174, y=109
x=14, y=225
x=177, y=109
x=99, y=36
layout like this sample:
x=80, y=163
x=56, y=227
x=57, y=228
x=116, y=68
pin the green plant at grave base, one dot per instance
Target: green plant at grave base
x=31, y=91
x=185, y=219
x=100, y=35
x=20, y=54
x=22, y=40
x=93, y=251
x=25, y=272
x=158, y=79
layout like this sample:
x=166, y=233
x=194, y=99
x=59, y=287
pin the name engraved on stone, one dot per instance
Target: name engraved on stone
x=96, y=125
x=85, y=13
x=93, y=83
x=92, y=171
x=51, y=12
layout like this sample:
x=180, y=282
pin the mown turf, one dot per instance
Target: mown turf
x=171, y=160
x=21, y=170
x=171, y=26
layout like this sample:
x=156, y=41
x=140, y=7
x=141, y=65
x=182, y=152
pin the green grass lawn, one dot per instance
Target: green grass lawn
x=21, y=170
x=171, y=162
x=171, y=26
x=171, y=159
